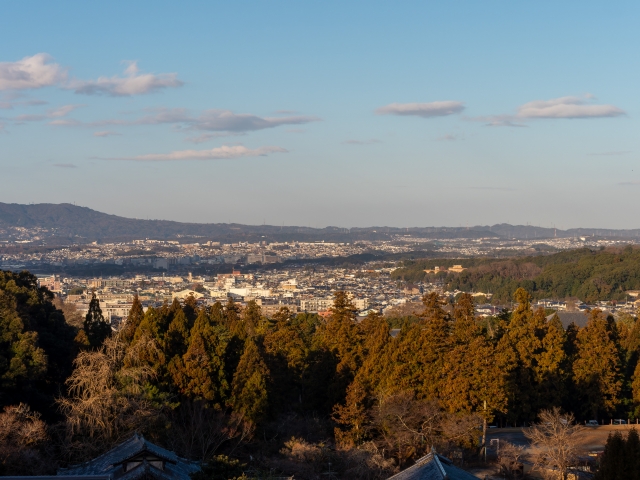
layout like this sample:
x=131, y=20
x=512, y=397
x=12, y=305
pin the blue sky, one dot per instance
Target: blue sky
x=324, y=113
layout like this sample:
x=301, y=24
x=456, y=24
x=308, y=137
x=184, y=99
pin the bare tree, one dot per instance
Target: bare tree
x=406, y=426
x=106, y=399
x=555, y=438
x=509, y=460
x=198, y=431
x=22, y=436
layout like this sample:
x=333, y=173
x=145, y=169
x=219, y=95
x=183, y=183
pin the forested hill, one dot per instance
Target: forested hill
x=586, y=274
x=65, y=221
x=84, y=224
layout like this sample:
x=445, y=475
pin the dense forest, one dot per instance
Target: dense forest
x=584, y=274
x=294, y=394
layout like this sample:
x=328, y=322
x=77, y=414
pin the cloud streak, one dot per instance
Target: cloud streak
x=362, y=142
x=32, y=72
x=132, y=83
x=105, y=133
x=556, y=108
x=567, y=107
x=208, y=121
x=55, y=113
x=65, y=165
x=225, y=152
x=424, y=110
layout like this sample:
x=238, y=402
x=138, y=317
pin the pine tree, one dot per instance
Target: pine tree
x=136, y=314
x=249, y=394
x=177, y=336
x=612, y=460
x=596, y=369
x=352, y=416
x=95, y=325
x=475, y=382
x=252, y=318
x=200, y=372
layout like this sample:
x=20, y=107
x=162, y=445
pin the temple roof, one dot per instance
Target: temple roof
x=433, y=467
x=135, y=448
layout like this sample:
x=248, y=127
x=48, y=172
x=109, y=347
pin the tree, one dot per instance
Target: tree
x=351, y=417
x=95, y=326
x=249, y=395
x=556, y=439
x=200, y=373
x=136, y=314
x=22, y=436
x=106, y=398
x=596, y=369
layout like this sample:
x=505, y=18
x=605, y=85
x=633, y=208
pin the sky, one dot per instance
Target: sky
x=325, y=113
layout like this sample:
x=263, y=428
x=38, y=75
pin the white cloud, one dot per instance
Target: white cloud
x=65, y=165
x=31, y=72
x=425, y=110
x=567, y=107
x=219, y=153
x=105, y=133
x=133, y=83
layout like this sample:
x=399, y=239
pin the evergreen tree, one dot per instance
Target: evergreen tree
x=475, y=380
x=200, y=372
x=136, y=314
x=249, y=394
x=351, y=417
x=596, y=369
x=612, y=460
x=177, y=337
x=95, y=326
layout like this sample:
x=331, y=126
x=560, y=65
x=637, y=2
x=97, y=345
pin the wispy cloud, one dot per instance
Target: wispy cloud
x=105, y=133
x=132, y=83
x=556, y=108
x=209, y=120
x=498, y=121
x=362, y=142
x=500, y=189
x=58, y=112
x=32, y=72
x=205, y=137
x=425, y=110
x=219, y=153
x=227, y=121
x=449, y=137
x=610, y=154
x=567, y=107
x=65, y=165
x=630, y=183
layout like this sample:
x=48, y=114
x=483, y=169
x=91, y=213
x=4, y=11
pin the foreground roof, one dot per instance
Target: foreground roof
x=433, y=467
x=135, y=458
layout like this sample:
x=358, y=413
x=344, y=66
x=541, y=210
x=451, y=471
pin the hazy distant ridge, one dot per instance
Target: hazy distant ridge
x=84, y=224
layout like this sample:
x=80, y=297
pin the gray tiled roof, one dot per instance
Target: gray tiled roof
x=110, y=463
x=433, y=467
x=567, y=318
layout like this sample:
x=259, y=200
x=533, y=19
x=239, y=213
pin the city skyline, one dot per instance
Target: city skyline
x=349, y=115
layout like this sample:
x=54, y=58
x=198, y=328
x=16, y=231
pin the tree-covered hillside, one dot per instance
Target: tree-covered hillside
x=586, y=274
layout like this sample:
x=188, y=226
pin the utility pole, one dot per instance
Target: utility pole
x=484, y=432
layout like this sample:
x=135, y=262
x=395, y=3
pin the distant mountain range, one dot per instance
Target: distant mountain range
x=62, y=223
